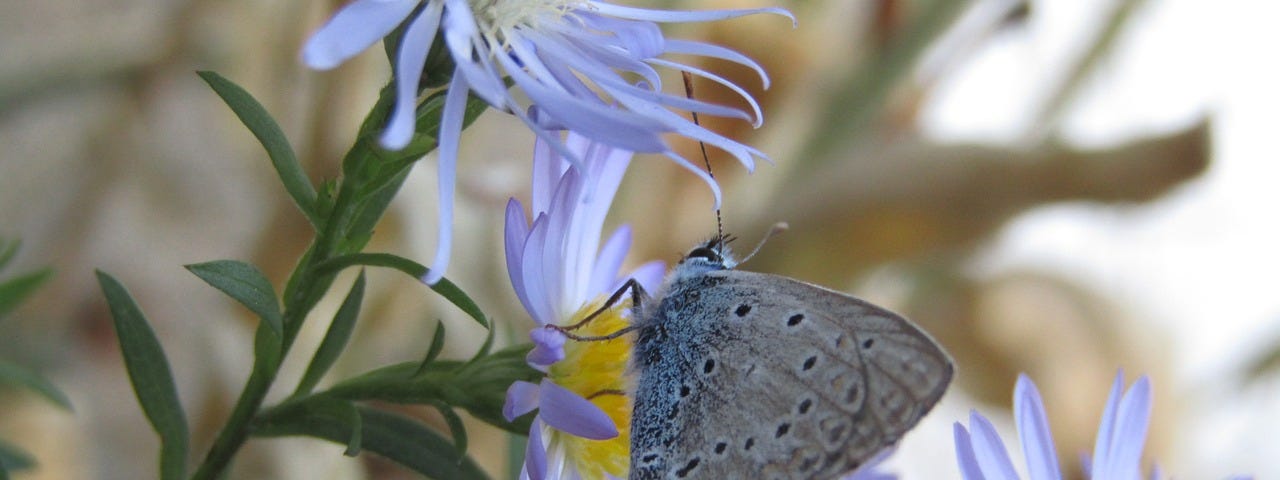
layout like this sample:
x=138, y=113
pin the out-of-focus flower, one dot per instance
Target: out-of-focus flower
x=562, y=275
x=871, y=469
x=571, y=58
x=1117, y=452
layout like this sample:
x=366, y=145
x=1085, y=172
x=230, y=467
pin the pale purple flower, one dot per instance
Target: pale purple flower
x=1117, y=453
x=570, y=58
x=871, y=469
x=557, y=267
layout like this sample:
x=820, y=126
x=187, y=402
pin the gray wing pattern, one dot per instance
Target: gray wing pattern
x=761, y=376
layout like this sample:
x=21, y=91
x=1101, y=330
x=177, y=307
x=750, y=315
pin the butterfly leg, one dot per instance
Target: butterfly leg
x=637, y=292
x=637, y=295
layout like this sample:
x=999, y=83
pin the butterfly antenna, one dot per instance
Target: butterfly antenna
x=706, y=160
x=777, y=228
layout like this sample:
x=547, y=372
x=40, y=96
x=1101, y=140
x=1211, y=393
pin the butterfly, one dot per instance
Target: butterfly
x=750, y=375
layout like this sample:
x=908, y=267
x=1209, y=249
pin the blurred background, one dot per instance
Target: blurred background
x=1055, y=187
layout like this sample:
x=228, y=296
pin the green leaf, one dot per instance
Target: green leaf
x=356, y=438
x=456, y=428
x=245, y=284
x=335, y=339
x=437, y=345
x=17, y=289
x=8, y=249
x=444, y=287
x=479, y=387
x=14, y=459
x=396, y=437
x=484, y=347
x=14, y=374
x=149, y=372
x=258, y=121
x=374, y=205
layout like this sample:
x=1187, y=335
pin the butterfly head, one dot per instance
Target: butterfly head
x=713, y=254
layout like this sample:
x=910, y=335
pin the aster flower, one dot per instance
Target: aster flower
x=571, y=58
x=1117, y=451
x=561, y=274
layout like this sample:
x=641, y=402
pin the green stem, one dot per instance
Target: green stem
x=310, y=287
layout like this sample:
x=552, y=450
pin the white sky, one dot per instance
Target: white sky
x=1200, y=264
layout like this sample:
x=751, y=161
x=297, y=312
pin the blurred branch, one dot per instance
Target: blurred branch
x=853, y=108
x=1069, y=86
x=1265, y=364
x=913, y=198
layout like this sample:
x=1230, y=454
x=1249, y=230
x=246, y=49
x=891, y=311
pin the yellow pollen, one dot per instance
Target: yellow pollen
x=588, y=369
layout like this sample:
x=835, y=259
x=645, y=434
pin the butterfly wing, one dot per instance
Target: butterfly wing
x=750, y=375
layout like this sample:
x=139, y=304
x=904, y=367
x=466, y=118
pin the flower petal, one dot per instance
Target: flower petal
x=572, y=414
x=1132, y=419
x=989, y=450
x=539, y=301
x=414, y=48
x=548, y=347
x=649, y=275
x=535, y=454
x=450, y=129
x=353, y=29
x=965, y=458
x=1106, y=427
x=715, y=51
x=522, y=398
x=591, y=117
x=1033, y=431
x=682, y=16
x=609, y=262
x=870, y=469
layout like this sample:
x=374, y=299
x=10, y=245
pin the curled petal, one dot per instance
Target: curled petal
x=412, y=56
x=548, y=346
x=676, y=16
x=716, y=51
x=450, y=128
x=522, y=398
x=572, y=414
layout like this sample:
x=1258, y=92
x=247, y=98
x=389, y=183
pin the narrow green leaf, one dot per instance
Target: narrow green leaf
x=356, y=437
x=14, y=459
x=444, y=287
x=396, y=437
x=437, y=345
x=376, y=201
x=246, y=284
x=258, y=121
x=14, y=374
x=456, y=428
x=17, y=289
x=8, y=249
x=478, y=387
x=149, y=373
x=335, y=339
x=484, y=347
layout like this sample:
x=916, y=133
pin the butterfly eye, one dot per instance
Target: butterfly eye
x=705, y=253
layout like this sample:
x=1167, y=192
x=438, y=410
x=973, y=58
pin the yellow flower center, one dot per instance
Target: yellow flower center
x=597, y=371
